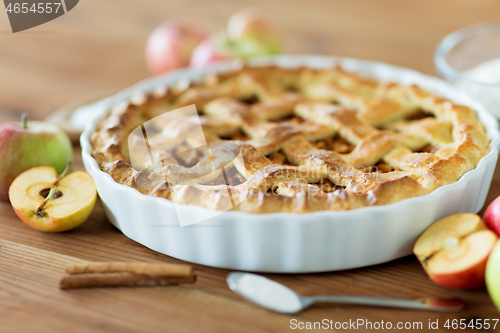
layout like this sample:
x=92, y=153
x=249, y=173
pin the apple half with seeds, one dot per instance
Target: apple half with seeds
x=454, y=251
x=48, y=202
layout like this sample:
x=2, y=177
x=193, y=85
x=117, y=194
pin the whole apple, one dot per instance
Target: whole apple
x=212, y=49
x=217, y=47
x=28, y=144
x=171, y=44
x=493, y=275
x=252, y=26
x=492, y=216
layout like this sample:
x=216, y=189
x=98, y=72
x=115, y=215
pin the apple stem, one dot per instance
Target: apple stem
x=65, y=171
x=40, y=211
x=24, y=121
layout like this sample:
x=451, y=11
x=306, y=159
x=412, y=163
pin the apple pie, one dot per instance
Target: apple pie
x=290, y=140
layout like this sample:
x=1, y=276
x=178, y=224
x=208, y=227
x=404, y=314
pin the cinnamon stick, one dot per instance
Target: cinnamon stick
x=93, y=280
x=153, y=270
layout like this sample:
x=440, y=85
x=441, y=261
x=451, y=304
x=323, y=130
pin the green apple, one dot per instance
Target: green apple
x=253, y=27
x=213, y=49
x=248, y=33
x=25, y=145
x=493, y=275
x=218, y=47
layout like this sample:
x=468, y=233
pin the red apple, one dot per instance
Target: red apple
x=248, y=33
x=211, y=50
x=28, y=144
x=251, y=26
x=218, y=47
x=492, y=216
x=454, y=251
x=171, y=44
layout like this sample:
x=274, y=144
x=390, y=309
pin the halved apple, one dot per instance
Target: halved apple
x=454, y=251
x=69, y=203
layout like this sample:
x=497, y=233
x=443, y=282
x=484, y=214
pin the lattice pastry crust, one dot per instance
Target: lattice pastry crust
x=308, y=140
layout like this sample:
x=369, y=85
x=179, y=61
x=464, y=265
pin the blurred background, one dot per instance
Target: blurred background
x=99, y=46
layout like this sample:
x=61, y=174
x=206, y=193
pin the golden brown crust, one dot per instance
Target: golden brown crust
x=274, y=118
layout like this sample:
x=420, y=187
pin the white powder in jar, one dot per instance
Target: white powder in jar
x=484, y=85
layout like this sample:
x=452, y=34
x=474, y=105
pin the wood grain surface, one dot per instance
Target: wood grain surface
x=96, y=49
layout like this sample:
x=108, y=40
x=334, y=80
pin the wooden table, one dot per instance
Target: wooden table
x=98, y=48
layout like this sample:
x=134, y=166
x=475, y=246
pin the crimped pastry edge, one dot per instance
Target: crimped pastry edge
x=342, y=64
x=371, y=68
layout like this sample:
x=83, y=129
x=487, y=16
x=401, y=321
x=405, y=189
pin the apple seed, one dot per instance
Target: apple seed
x=45, y=192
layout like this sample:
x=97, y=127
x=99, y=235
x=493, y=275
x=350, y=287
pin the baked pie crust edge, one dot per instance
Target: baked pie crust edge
x=377, y=118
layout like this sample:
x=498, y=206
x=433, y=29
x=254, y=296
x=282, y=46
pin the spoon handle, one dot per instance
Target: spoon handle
x=430, y=303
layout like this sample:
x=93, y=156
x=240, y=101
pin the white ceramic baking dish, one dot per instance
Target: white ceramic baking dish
x=284, y=242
